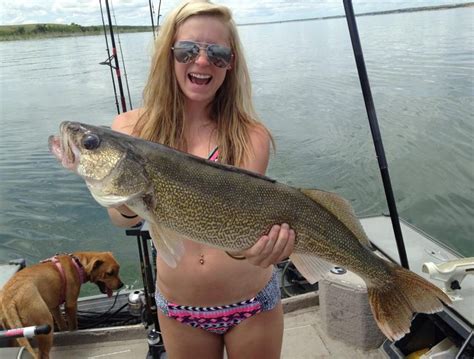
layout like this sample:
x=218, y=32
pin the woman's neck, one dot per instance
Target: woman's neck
x=199, y=129
x=196, y=117
x=196, y=111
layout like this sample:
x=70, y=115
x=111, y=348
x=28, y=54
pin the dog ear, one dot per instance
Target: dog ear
x=93, y=267
x=97, y=263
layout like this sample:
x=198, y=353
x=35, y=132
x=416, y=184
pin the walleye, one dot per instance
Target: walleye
x=184, y=197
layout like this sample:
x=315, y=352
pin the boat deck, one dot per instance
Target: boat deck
x=304, y=335
x=304, y=338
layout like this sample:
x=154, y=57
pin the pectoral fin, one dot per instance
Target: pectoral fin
x=169, y=244
x=311, y=267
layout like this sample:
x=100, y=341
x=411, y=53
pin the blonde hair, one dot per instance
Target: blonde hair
x=232, y=108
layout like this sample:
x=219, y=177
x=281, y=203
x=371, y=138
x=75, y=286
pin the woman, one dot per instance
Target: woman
x=198, y=99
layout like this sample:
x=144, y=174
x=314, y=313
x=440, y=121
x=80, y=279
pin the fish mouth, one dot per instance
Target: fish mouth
x=65, y=151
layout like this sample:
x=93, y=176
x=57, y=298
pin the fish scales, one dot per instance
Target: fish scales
x=185, y=197
x=230, y=211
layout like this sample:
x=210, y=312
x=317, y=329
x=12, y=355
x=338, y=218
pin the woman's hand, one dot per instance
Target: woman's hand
x=272, y=248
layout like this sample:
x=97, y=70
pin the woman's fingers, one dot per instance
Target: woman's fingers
x=272, y=248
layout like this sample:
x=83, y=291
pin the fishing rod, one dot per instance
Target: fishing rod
x=150, y=5
x=374, y=128
x=158, y=16
x=121, y=57
x=25, y=332
x=115, y=58
x=109, y=58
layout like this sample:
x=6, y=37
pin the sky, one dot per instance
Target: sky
x=137, y=12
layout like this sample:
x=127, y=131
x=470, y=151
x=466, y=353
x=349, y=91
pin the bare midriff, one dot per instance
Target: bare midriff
x=206, y=276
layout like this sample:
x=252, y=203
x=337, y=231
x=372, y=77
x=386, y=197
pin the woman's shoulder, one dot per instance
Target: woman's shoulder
x=125, y=122
x=260, y=141
x=260, y=137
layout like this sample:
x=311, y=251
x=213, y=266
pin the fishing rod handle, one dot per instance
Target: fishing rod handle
x=27, y=332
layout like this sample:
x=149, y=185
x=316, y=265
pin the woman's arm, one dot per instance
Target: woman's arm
x=123, y=217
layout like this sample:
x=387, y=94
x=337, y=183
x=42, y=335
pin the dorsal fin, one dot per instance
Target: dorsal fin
x=341, y=209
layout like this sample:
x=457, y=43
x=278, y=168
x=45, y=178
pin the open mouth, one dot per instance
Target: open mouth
x=104, y=289
x=199, y=79
x=64, y=151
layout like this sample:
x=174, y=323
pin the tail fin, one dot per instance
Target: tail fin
x=393, y=306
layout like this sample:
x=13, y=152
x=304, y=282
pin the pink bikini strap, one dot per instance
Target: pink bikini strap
x=214, y=155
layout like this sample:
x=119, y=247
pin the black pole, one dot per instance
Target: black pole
x=152, y=20
x=107, y=62
x=114, y=54
x=374, y=128
x=148, y=303
x=123, y=61
x=150, y=283
x=158, y=16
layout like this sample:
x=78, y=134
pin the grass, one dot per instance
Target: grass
x=34, y=31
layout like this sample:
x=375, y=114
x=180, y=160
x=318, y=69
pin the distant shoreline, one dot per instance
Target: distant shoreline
x=386, y=12
x=44, y=31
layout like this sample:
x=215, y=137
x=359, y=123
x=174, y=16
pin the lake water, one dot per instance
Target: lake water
x=306, y=88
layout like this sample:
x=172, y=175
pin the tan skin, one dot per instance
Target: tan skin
x=220, y=279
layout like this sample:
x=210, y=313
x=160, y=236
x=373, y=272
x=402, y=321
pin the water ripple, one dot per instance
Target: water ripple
x=306, y=89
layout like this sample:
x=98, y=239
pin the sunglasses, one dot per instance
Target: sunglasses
x=187, y=51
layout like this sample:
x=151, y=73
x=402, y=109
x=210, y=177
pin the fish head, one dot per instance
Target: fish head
x=103, y=158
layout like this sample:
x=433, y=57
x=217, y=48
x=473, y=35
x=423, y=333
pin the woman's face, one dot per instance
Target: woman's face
x=200, y=78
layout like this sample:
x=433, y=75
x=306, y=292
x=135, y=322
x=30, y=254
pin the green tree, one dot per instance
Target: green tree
x=40, y=28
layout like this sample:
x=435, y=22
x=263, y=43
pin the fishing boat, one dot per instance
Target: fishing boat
x=316, y=316
x=315, y=326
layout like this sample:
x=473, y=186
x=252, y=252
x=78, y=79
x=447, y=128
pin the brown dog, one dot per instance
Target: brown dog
x=33, y=295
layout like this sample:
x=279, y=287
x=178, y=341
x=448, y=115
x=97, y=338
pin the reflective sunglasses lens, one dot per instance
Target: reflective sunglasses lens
x=185, y=52
x=220, y=56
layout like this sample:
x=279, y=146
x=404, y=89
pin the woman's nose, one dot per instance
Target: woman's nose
x=202, y=58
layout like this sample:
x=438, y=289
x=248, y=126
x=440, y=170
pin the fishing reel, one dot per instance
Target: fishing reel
x=138, y=308
x=136, y=303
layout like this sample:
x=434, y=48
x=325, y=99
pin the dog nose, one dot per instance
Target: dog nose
x=120, y=285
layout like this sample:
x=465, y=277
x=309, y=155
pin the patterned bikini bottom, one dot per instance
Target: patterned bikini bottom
x=219, y=319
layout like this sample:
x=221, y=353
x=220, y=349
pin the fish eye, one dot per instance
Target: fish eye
x=90, y=141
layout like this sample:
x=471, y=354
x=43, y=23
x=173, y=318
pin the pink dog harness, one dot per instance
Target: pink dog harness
x=79, y=270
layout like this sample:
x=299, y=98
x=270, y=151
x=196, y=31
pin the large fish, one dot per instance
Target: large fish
x=186, y=197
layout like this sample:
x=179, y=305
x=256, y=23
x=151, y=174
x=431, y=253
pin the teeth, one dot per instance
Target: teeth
x=200, y=76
